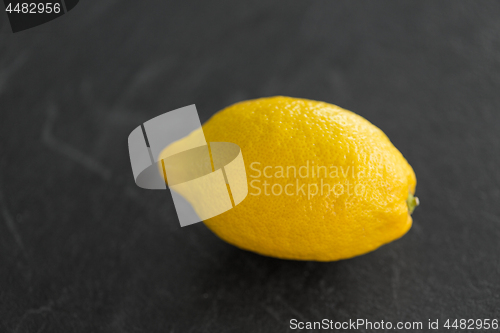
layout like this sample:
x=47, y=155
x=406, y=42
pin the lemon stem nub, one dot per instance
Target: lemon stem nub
x=412, y=202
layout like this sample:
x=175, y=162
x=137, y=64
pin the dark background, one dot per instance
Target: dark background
x=83, y=249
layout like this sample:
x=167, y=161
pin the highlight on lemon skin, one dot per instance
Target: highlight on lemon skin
x=324, y=183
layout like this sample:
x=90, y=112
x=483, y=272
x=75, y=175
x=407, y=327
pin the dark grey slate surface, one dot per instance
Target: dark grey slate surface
x=82, y=249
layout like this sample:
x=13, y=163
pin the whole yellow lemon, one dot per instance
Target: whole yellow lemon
x=323, y=183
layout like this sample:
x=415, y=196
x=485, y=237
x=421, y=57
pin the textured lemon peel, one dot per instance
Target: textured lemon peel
x=412, y=203
x=298, y=227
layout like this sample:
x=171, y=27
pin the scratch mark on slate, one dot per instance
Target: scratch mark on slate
x=143, y=78
x=42, y=328
x=395, y=283
x=193, y=240
x=272, y=313
x=292, y=310
x=69, y=151
x=490, y=216
x=6, y=74
x=42, y=310
x=10, y=223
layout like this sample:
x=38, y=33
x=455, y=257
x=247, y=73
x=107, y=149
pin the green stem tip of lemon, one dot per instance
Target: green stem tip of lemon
x=412, y=203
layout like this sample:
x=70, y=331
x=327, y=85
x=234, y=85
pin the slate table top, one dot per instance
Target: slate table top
x=83, y=249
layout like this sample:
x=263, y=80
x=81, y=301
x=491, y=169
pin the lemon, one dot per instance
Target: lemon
x=323, y=183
